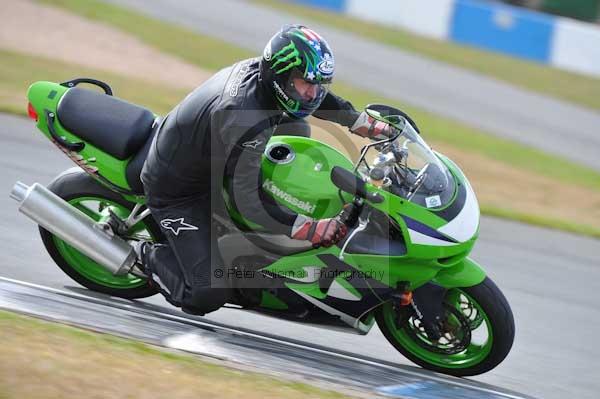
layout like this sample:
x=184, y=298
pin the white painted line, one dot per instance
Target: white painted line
x=196, y=343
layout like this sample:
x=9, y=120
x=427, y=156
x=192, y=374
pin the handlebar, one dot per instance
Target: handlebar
x=350, y=213
x=352, y=184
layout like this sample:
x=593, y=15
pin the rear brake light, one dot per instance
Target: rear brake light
x=31, y=111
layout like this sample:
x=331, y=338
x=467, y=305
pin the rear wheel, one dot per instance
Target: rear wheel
x=84, y=193
x=477, y=331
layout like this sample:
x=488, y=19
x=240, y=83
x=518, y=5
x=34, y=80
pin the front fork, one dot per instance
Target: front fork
x=427, y=302
x=428, y=306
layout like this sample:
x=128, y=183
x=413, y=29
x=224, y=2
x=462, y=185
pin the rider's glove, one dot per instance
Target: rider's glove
x=324, y=232
x=366, y=126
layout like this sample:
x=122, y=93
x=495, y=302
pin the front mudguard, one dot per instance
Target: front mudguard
x=466, y=273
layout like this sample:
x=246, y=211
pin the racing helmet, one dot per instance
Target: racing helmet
x=297, y=67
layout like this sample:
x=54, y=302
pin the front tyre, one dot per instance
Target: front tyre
x=478, y=332
x=84, y=193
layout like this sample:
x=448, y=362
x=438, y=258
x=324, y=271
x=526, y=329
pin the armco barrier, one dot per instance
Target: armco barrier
x=331, y=5
x=561, y=42
x=576, y=47
x=431, y=20
x=504, y=29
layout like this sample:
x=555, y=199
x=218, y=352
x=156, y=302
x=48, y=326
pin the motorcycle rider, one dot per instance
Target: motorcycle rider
x=218, y=134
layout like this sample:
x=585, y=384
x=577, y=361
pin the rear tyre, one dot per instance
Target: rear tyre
x=479, y=328
x=83, y=192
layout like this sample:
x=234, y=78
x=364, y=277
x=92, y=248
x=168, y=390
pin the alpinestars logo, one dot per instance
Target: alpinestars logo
x=237, y=80
x=306, y=206
x=290, y=55
x=176, y=225
x=252, y=144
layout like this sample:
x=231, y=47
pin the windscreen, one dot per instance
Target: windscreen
x=412, y=169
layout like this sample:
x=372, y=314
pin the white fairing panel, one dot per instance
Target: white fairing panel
x=356, y=323
x=464, y=226
x=312, y=275
x=336, y=290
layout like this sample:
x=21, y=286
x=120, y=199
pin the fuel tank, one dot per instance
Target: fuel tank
x=296, y=173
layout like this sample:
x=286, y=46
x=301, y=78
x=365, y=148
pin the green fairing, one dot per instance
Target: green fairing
x=270, y=301
x=421, y=263
x=385, y=269
x=108, y=166
x=396, y=207
x=465, y=273
x=391, y=270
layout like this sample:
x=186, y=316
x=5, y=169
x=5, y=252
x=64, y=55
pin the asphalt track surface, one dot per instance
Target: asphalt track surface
x=554, y=126
x=266, y=352
x=551, y=279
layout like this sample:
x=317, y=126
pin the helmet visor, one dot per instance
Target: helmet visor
x=308, y=94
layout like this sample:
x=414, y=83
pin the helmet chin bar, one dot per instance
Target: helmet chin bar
x=302, y=107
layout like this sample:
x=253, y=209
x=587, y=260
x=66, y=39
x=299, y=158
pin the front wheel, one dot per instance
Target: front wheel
x=478, y=331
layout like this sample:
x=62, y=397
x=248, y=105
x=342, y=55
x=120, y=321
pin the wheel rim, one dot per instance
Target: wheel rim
x=475, y=350
x=98, y=209
x=466, y=306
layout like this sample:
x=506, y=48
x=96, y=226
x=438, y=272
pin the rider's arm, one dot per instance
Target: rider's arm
x=336, y=109
x=245, y=135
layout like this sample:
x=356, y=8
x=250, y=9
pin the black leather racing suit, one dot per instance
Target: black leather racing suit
x=216, y=134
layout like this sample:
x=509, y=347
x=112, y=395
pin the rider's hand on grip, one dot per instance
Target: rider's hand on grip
x=365, y=126
x=323, y=232
x=349, y=214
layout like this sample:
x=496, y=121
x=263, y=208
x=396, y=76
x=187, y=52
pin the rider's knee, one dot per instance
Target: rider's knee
x=205, y=299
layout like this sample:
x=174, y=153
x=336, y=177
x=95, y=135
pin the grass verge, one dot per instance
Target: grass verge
x=558, y=83
x=541, y=221
x=19, y=71
x=209, y=53
x=49, y=360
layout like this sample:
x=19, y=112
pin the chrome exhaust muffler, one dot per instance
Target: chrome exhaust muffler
x=93, y=239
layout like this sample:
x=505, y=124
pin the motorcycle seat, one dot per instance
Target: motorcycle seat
x=108, y=123
x=133, y=171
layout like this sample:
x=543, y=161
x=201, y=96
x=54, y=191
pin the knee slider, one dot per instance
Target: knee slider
x=206, y=299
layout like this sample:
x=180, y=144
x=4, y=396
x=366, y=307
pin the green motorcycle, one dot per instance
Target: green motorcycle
x=412, y=215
